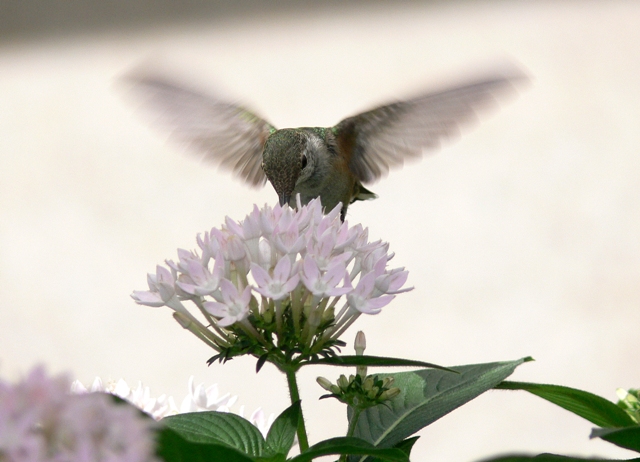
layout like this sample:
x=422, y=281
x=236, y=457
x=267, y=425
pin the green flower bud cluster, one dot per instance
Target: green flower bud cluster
x=360, y=393
x=630, y=402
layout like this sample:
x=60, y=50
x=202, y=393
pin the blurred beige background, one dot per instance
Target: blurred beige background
x=522, y=238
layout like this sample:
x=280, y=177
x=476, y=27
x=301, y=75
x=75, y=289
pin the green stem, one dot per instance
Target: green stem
x=296, y=308
x=351, y=429
x=295, y=396
x=278, y=304
x=354, y=421
x=251, y=331
x=345, y=326
x=212, y=322
x=195, y=327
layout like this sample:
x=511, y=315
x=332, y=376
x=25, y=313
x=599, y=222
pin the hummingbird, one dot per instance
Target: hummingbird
x=332, y=163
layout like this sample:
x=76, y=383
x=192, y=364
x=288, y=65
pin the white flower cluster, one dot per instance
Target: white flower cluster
x=276, y=258
x=199, y=399
x=41, y=421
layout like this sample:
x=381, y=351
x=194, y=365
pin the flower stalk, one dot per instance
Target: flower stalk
x=292, y=382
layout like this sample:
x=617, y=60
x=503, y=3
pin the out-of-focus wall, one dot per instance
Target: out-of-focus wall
x=521, y=238
x=42, y=18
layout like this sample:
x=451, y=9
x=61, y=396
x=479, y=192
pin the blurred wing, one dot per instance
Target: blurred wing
x=384, y=137
x=224, y=133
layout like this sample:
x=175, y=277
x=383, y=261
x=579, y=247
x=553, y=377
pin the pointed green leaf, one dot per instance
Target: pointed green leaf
x=373, y=361
x=283, y=430
x=407, y=445
x=628, y=437
x=594, y=408
x=261, y=361
x=171, y=447
x=219, y=428
x=427, y=395
x=346, y=445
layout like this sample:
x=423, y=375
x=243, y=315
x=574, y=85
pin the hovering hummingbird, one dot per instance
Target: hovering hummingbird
x=331, y=163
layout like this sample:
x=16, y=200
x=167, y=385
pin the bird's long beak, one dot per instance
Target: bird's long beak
x=284, y=198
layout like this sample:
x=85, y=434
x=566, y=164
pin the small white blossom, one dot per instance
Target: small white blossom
x=278, y=286
x=361, y=300
x=259, y=420
x=199, y=280
x=162, y=291
x=324, y=285
x=206, y=399
x=391, y=282
x=140, y=396
x=200, y=398
x=234, y=306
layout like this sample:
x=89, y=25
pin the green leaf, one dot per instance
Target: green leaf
x=628, y=438
x=404, y=445
x=261, y=361
x=283, y=430
x=171, y=447
x=272, y=458
x=594, y=408
x=407, y=445
x=373, y=361
x=349, y=445
x=549, y=458
x=427, y=395
x=218, y=428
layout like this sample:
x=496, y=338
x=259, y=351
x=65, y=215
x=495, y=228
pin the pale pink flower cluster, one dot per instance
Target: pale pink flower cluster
x=274, y=258
x=41, y=421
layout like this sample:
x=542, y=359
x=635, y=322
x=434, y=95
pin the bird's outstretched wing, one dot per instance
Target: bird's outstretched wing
x=224, y=133
x=384, y=137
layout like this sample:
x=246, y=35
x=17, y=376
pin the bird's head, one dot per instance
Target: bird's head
x=283, y=159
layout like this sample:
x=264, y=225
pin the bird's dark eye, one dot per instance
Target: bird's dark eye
x=304, y=161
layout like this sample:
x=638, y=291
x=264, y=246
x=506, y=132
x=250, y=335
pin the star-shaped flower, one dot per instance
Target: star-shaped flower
x=280, y=284
x=324, y=285
x=234, y=306
x=362, y=300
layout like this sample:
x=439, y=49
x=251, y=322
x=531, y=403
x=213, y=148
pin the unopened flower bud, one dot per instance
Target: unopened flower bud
x=390, y=393
x=387, y=382
x=343, y=382
x=324, y=383
x=371, y=394
x=367, y=384
x=329, y=314
x=360, y=344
